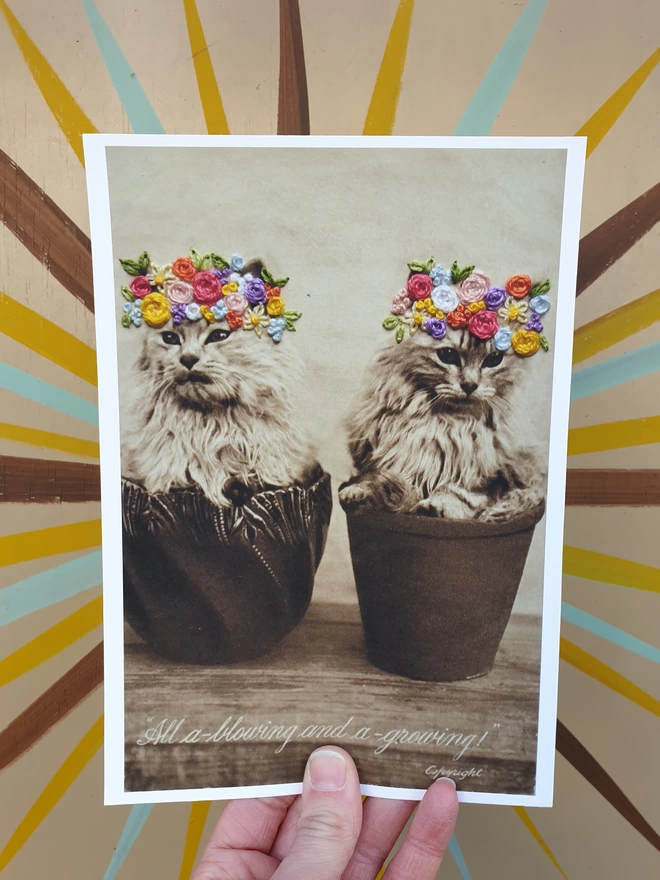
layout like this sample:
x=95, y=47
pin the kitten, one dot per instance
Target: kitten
x=435, y=433
x=216, y=409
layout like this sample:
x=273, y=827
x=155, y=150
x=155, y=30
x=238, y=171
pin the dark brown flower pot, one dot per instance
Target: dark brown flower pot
x=211, y=585
x=436, y=595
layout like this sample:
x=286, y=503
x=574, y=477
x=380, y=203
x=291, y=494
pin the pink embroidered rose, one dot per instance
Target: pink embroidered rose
x=473, y=288
x=179, y=293
x=483, y=324
x=419, y=286
x=206, y=288
x=236, y=303
x=140, y=286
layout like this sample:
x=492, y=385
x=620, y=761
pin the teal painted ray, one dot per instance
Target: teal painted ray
x=134, y=824
x=616, y=371
x=606, y=631
x=42, y=392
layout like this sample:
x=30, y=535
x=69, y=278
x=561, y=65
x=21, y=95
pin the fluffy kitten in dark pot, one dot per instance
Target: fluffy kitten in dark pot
x=225, y=507
x=439, y=432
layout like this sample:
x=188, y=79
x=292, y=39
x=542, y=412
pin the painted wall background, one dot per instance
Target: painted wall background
x=415, y=67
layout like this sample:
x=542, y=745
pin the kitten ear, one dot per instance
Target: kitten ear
x=254, y=267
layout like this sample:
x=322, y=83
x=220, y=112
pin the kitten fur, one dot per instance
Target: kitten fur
x=443, y=439
x=214, y=412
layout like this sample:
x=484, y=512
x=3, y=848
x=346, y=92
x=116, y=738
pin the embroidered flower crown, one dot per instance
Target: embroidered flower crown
x=436, y=299
x=207, y=288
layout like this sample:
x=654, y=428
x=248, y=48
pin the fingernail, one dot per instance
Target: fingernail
x=449, y=780
x=327, y=770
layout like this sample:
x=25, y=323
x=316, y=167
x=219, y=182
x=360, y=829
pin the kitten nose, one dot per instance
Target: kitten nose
x=468, y=387
x=189, y=361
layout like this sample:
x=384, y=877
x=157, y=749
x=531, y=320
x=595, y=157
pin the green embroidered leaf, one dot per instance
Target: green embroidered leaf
x=127, y=294
x=416, y=266
x=289, y=323
x=541, y=287
x=200, y=262
x=125, y=320
x=144, y=262
x=131, y=267
x=458, y=274
x=279, y=282
x=218, y=261
x=544, y=343
x=390, y=322
x=292, y=316
x=428, y=265
x=267, y=277
x=400, y=333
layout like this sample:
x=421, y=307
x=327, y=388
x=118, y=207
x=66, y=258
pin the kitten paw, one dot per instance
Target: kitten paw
x=446, y=506
x=238, y=493
x=515, y=503
x=354, y=496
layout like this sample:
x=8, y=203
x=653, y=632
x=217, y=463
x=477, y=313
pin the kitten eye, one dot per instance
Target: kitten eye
x=494, y=359
x=449, y=356
x=217, y=335
x=170, y=338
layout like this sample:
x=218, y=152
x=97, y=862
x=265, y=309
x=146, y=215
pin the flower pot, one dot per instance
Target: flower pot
x=217, y=585
x=436, y=595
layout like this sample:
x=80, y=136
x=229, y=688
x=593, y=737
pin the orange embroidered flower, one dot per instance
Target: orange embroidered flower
x=272, y=292
x=184, y=268
x=519, y=285
x=235, y=321
x=459, y=317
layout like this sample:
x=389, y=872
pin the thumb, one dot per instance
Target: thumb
x=330, y=819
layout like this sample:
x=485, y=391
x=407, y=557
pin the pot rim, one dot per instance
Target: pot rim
x=431, y=527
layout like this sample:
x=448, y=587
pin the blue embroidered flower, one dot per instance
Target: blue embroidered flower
x=128, y=307
x=193, y=312
x=539, y=304
x=276, y=329
x=237, y=263
x=219, y=310
x=440, y=276
x=502, y=339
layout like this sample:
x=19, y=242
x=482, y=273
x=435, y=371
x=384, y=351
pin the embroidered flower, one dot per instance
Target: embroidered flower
x=229, y=288
x=412, y=321
x=275, y=306
x=237, y=263
x=235, y=321
x=160, y=276
x=475, y=307
x=400, y=307
x=539, y=304
x=206, y=288
x=221, y=274
x=514, y=311
x=178, y=313
x=219, y=310
x=459, y=317
x=155, y=310
x=179, y=292
x=502, y=339
x=525, y=342
x=519, y=285
x=444, y=298
x=473, y=288
x=140, y=286
x=419, y=286
x=193, y=312
x=184, y=268
x=236, y=303
x=255, y=291
x=276, y=329
x=534, y=323
x=440, y=276
x=207, y=314
x=483, y=324
x=136, y=315
x=255, y=319
x=495, y=298
x=436, y=328
x=128, y=307
x=272, y=292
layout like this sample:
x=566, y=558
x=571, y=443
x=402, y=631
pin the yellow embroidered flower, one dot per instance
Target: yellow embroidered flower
x=208, y=314
x=525, y=342
x=160, y=275
x=229, y=288
x=426, y=305
x=418, y=319
x=155, y=310
x=513, y=311
x=255, y=319
x=275, y=306
x=477, y=307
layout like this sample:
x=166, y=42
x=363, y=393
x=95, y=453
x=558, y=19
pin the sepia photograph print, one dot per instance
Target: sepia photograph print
x=334, y=379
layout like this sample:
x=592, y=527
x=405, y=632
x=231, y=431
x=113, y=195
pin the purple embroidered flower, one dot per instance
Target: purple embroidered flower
x=178, y=313
x=495, y=298
x=222, y=274
x=435, y=328
x=535, y=324
x=255, y=291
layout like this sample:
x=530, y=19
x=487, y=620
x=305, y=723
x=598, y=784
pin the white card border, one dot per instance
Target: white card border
x=108, y=390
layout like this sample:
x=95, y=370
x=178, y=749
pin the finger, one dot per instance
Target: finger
x=330, y=819
x=227, y=863
x=428, y=836
x=250, y=824
x=287, y=833
x=382, y=822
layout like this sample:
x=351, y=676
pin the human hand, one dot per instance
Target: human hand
x=327, y=833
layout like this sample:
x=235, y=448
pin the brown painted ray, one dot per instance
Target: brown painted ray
x=46, y=482
x=584, y=762
x=52, y=706
x=46, y=231
x=608, y=487
x=293, y=101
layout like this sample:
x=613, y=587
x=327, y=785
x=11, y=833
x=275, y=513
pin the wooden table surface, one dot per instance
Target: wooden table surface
x=319, y=676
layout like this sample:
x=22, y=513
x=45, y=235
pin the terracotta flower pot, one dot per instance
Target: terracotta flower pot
x=436, y=595
x=211, y=585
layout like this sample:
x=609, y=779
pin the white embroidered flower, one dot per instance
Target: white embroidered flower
x=256, y=319
x=514, y=311
x=160, y=275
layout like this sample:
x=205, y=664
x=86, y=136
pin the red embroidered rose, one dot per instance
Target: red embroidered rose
x=206, y=288
x=519, y=285
x=419, y=286
x=483, y=324
x=140, y=286
x=235, y=321
x=184, y=268
x=459, y=317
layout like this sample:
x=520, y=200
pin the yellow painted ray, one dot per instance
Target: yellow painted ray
x=198, y=815
x=385, y=96
x=48, y=440
x=610, y=569
x=614, y=435
x=523, y=815
x=615, y=326
x=592, y=666
x=49, y=643
x=23, y=546
x=47, y=339
x=63, y=779
x=209, y=93
x=598, y=125
x=67, y=112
